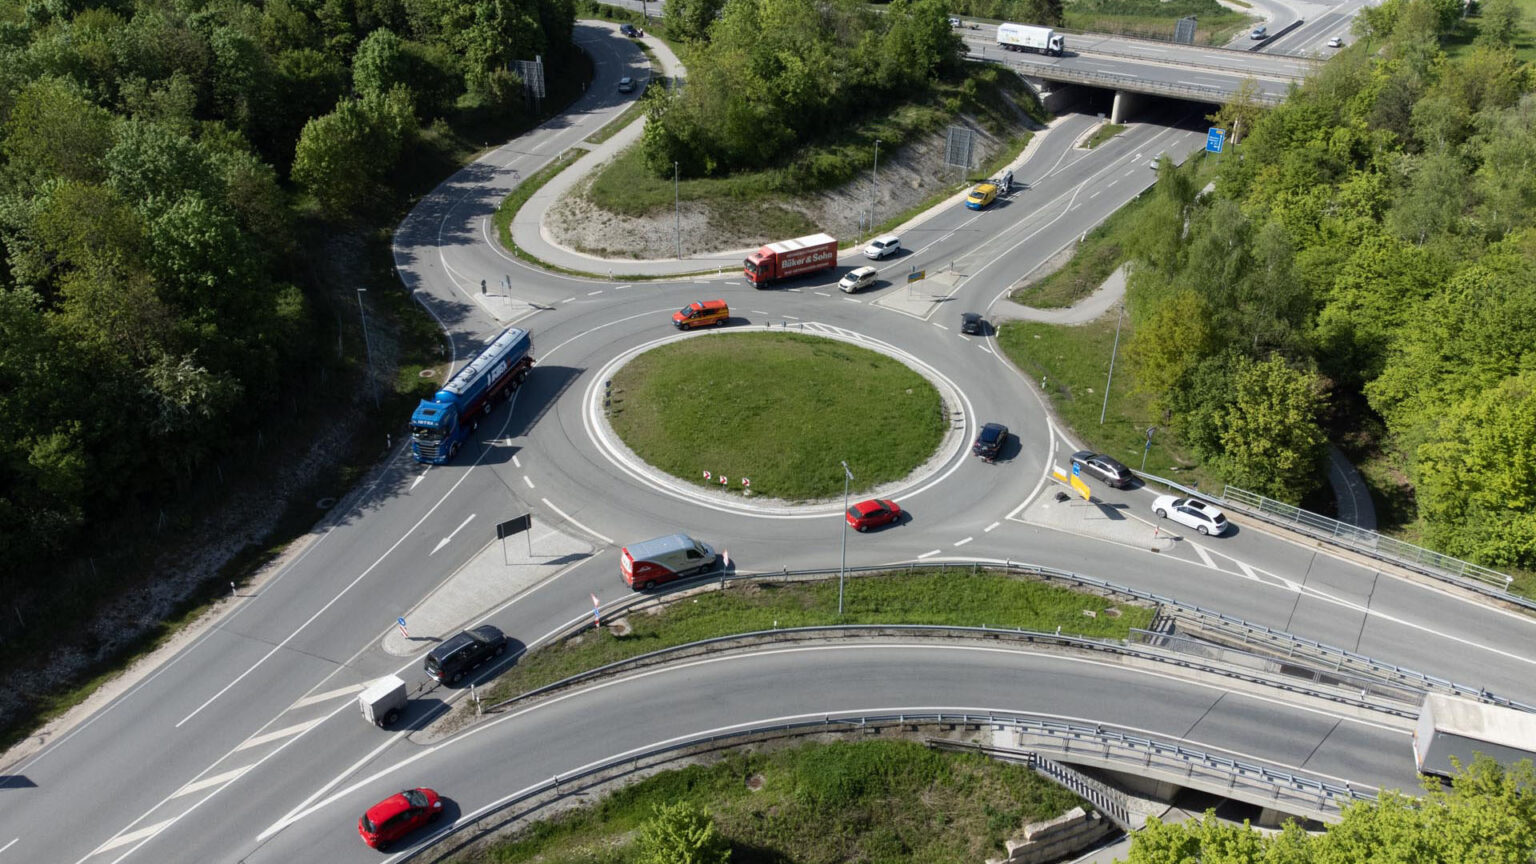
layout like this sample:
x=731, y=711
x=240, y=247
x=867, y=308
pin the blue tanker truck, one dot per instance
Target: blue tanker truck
x=441, y=424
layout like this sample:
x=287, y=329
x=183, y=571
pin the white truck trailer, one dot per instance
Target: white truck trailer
x=1450, y=726
x=1028, y=37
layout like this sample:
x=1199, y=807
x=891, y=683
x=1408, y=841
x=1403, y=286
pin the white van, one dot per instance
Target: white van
x=1004, y=182
x=646, y=565
x=881, y=247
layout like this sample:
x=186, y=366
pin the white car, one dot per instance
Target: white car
x=882, y=246
x=857, y=279
x=1188, y=511
x=1336, y=42
x=954, y=22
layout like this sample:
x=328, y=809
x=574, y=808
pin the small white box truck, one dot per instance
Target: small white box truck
x=382, y=701
x=1450, y=726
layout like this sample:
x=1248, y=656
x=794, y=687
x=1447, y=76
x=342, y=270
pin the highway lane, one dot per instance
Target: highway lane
x=512, y=753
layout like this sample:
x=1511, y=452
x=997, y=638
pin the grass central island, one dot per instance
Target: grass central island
x=780, y=410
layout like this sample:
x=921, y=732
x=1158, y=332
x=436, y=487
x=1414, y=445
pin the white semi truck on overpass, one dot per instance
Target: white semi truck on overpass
x=1453, y=727
x=1027, y=37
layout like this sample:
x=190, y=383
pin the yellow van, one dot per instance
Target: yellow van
x=707, y=313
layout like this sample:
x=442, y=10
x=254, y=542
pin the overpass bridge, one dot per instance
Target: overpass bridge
x=1138, y=67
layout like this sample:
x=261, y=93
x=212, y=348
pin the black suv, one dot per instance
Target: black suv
x=991, y=440
x=970, y=322
x=452, y=660
x=629, y=30
x=1106, y=468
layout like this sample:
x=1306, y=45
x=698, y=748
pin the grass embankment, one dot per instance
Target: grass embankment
x=762, y=202
x=1103, y=133
x=1155, y=19
x=881, y=801
x=780, y=409
x=955, y=597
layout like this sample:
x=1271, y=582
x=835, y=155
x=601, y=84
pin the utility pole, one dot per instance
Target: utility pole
x=367, y=346
x=677, y=210
x=1112, y=352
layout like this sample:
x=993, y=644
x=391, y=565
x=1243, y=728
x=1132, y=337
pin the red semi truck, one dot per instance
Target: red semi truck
x=795, y=257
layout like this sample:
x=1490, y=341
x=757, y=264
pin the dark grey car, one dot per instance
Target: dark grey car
x=452, y=660
x=1105, y=468
x=970, y=322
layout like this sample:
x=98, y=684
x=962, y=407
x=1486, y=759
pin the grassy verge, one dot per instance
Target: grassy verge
x=1156, y=19
x=774, y=407
x=1459, y=43
x=1104, y=133
x=956, y=598
x=880, y=801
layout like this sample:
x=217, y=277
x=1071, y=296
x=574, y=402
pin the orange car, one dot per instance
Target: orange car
x=704, y=314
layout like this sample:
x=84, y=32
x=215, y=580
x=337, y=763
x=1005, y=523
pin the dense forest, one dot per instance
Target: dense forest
x=166, y=166
x=766, y=76
x=1365, y=265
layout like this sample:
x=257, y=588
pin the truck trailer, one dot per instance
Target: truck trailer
x=440, y=425
x=795, y=257
x=1450, y=726
x=1028, y=37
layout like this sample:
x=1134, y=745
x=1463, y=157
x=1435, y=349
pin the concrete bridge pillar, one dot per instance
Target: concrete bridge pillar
x=1125, y=103
x=1053, y=95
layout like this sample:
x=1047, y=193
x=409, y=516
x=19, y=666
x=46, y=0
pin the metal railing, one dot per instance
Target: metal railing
x=1126, y=82
x=1105, y=798
x=1177, y=762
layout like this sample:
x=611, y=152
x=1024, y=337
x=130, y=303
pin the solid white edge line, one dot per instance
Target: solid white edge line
x=567, y=517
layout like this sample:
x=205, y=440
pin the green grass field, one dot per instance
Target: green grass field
x=780, y=409
x=1104, y=133
x=891, y=802
x=956, y=597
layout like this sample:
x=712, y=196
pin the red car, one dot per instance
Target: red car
x=398, y=815
x=873, y=513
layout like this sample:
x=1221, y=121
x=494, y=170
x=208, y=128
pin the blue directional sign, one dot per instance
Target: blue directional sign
x=1215, y=139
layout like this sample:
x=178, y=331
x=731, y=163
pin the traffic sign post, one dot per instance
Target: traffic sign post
x=522, y=524
x=1215, y=140
x=400, y=622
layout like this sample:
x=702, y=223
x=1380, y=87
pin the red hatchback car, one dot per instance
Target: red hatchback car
x=873, y=513
x=398, y=815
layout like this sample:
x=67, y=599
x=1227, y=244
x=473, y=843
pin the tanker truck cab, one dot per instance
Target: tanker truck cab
x=675, y=556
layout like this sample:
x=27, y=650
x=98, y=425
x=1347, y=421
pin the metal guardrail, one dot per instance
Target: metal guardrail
x=1397, y=708
x=1104, y=745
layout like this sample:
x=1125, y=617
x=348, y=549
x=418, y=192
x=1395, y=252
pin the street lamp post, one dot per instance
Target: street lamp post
x=874, y=186
x=1112, y=352
x=367, y=346
x=677, y=210
x=843, y=565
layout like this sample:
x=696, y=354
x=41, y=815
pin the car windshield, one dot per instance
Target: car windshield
x=369, y=826
x=751, y=266
x=686, y=311
x=426, y=434
x=415, y=797
x=854, y=511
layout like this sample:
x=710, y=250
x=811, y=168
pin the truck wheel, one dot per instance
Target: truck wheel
x=391, y=717
x=453, y=450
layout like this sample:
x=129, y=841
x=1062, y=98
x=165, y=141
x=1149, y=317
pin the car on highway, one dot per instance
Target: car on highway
x=626, y=84
x=1336, y=42
x=954, y=22
x=629, y=30
x=990, y=441
x=1106, y=468
x=981, y=196
x=1259, y=32
x=970, y=322
x=1188, y=511
x=857, y=280
x=873, y=513
x=398, y=815
x=883, y=247
x=451, y=660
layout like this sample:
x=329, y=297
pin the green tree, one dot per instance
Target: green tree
x=689, y=20
x=344, y=157
x=379, y=64
x=1169, y=339
x=54, y=131
x=681, y=833
x=1271, y=440
x=1498, y=23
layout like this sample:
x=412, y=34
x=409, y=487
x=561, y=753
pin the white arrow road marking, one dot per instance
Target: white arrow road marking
x=419, y=477
x=217, y=780
x=328, y=695
x=444, y=542
x=125, y=839
x=277, y=735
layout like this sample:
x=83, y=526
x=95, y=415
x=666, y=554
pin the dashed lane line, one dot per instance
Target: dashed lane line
x=965, y=541
x=928, y=554
x=529, y=482
x=990, y=527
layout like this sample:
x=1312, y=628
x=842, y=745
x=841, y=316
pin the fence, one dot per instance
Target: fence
x=1250, y=780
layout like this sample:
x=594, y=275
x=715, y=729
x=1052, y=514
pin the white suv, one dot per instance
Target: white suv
x=881, y=247
x=857, y=279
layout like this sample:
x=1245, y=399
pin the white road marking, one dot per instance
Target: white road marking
x=990, y=527
x=965, y=337
x=529, y=482
x=852, y=300
x=821, y=293
x=569, y=300
x=965, y=541
x=938, y=325
x=216, y=780
x=1096, y=194
x=444, y=542
x=757, y=312
x=1204, y=555
x=985, y=348
x=620, y=287
x=278, y=735
x=515, y=463
x=567, y=517
x=125, y=839
x=419, y=477
x=928, y=554
x=328, y=695
x=594, y=293
x=10, y=844
x=791, y=317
